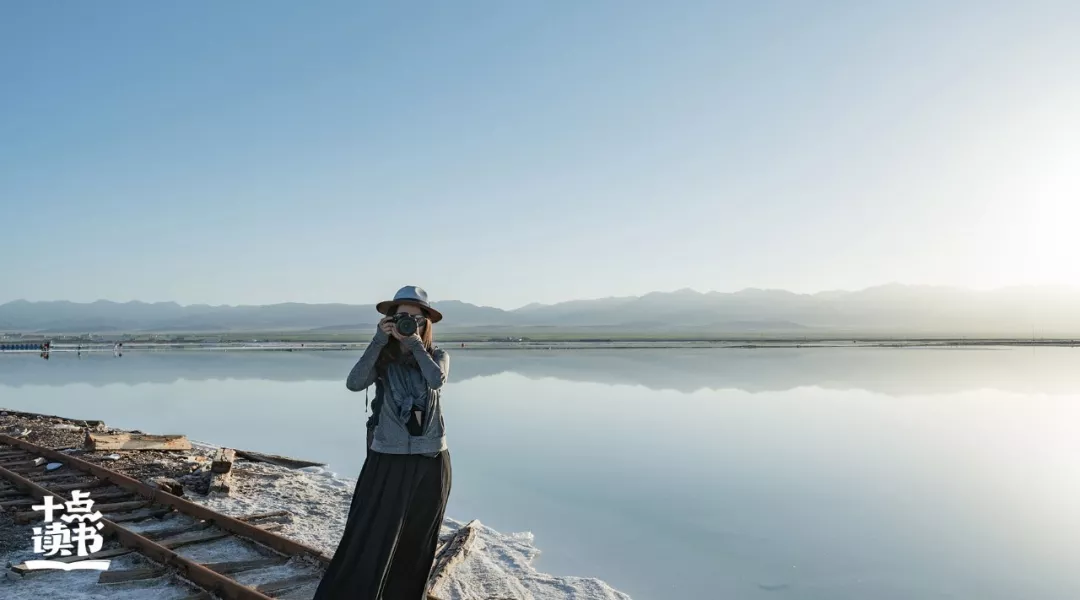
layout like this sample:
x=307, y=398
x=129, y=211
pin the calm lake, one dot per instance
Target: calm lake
x=824, y=473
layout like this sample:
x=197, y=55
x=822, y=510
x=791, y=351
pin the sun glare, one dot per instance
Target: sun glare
x=1054, y=225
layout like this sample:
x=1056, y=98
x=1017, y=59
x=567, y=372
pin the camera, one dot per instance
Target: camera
x=406, y=325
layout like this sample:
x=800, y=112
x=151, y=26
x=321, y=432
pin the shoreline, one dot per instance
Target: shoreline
x=316, y=499
x=457, y=346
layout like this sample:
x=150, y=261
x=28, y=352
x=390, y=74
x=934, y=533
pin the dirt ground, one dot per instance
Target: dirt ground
x=188, y=467
x=12, y=536
x=58, y=433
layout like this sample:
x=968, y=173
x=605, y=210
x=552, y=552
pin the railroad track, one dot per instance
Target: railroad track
x=166, y=529
x=177, y=536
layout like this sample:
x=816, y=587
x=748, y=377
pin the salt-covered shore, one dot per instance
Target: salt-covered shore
x=498, y=566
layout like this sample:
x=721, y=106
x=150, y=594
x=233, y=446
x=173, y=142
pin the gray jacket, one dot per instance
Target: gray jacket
x=400, y=388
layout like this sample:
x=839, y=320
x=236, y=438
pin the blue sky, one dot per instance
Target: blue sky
x=504, y=152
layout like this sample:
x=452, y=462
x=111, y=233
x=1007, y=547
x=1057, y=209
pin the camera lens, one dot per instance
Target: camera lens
x=406, y=326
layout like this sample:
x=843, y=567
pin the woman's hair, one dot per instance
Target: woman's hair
x=392, y=351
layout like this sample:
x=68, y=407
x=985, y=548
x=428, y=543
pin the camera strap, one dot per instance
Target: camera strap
x=415, y=423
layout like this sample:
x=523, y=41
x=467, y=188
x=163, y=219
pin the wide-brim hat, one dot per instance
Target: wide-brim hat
x=413, y=295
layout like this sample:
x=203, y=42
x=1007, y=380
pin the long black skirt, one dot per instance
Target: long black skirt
x=390, y=538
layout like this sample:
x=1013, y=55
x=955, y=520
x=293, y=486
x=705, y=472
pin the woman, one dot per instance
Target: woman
x=397, y=509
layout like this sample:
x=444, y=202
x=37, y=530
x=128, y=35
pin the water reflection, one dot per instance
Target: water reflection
x=893, y=371
x=808, y=474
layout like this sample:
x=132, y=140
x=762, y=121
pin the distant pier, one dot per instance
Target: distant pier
x=42, y=346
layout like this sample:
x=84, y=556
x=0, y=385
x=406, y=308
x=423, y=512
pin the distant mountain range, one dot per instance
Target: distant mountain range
x=894, y=309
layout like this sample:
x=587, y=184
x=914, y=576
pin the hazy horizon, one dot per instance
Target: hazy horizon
x=210, y=153
x=374, y=300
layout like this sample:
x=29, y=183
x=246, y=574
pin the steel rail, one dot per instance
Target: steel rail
x=157, y=496
x=198, y=574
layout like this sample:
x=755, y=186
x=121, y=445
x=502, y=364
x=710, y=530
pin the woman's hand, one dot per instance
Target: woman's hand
x=387, y=326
